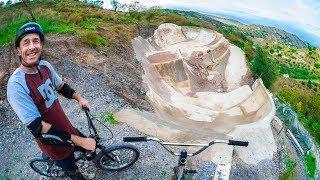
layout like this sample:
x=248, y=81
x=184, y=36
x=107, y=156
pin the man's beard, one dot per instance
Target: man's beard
x=25, y=64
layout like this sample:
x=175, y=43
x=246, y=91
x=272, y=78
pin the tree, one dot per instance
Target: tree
x=115, y=4
x=152, y=13
x=264, y=68
x=1, y=4
x=8, y=3
x=25, y=2
x=97, y=3
x=136, y=6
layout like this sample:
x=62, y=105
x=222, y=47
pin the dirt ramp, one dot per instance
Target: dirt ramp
x=200, y=83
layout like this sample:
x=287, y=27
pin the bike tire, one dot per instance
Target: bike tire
x=128, y=152
x=46, y=167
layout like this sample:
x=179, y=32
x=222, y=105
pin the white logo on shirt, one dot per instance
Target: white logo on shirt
x=47, y=92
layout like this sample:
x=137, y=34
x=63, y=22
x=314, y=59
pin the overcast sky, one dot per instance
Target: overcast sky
x=302, y=14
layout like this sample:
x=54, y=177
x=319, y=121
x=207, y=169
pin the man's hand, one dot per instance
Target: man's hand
x=86, y=143
x=89, y=144
x=82, y=102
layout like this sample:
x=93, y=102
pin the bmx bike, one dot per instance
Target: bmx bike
x=115, y=157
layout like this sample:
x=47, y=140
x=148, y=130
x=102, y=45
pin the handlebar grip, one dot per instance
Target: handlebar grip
x=85, y=108
x=134, y=139
x=238, y=143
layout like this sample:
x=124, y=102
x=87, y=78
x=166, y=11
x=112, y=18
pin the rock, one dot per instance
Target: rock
x=276, y=123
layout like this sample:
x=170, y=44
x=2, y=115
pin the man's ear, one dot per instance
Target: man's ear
x=18, y=51
x=42, y=45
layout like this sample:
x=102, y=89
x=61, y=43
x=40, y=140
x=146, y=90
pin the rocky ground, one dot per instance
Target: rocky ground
x=110, y=82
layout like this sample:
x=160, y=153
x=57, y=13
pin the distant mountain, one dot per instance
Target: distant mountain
x=252, y=31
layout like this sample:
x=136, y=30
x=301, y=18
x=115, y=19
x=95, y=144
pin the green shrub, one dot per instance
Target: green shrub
x=192, y=23
x=152, y=14
x=176, y=19
x=298, y=72
x=9, y=30
x=56, y=26
x=310, y=164
x=290, y=166
x=91, y=38
x=109, y=118
x=262, y=66
x=271, y=51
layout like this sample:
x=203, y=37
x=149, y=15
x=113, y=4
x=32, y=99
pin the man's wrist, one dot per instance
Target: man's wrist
x=77, y=140
x=76, y=96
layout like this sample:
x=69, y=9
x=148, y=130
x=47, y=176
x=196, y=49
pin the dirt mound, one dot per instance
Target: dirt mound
x=116, y=63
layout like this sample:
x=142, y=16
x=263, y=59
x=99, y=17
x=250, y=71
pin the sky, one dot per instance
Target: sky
x=300, y=17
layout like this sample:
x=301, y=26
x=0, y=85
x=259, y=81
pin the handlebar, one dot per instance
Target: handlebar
x=238, y=143
x=134, y=139
x=204, y=146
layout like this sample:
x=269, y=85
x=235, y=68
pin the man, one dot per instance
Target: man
x=31, y=93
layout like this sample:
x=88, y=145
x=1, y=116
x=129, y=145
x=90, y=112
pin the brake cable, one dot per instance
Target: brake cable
x=95, y=118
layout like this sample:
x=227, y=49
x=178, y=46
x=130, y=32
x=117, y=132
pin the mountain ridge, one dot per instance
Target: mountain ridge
x=253, y=31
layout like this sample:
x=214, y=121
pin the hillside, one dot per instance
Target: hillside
x=253, y=31
x=295, y=66
x=98, y=43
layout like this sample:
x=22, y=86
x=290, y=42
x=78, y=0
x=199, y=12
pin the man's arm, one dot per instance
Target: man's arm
x=40, y=128
x=86, y=143
x=65, y=90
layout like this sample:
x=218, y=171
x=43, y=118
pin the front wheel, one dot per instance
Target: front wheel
x=46, y=167
x=117, y=157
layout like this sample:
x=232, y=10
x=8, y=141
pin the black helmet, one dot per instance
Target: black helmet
x=28, y=28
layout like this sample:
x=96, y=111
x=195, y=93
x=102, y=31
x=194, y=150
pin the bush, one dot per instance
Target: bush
x=290, y=166
x=56, y=26
x=152, y=14
x=297, y=72
x=307, y=105
x=176, y=19
x=91, y=38
x=109, y=118
x=263, y=67
x=311, y=164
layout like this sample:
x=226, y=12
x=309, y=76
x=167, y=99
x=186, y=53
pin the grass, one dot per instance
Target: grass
x=7, y=173
x=91, y=38
x=109, y=118
x=298, y=73
x=163, y=174
x=92, y=25
x=290, y=166
x=305, y=102
x=262, y=66
x=310, y=164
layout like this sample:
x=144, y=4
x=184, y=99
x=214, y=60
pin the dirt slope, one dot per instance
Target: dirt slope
x=122, y=70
